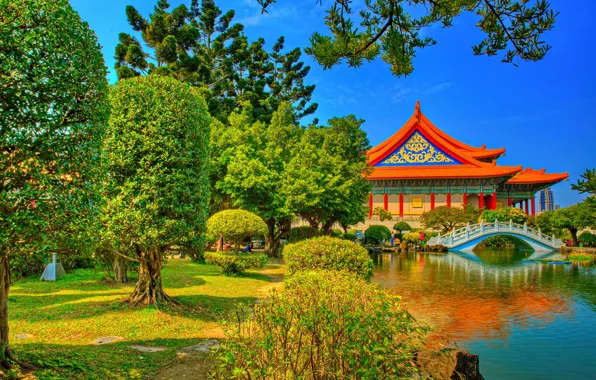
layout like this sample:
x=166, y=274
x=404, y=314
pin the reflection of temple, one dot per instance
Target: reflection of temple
x=420, y=167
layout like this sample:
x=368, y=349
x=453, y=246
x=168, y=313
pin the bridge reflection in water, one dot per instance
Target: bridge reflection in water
x=493, y=303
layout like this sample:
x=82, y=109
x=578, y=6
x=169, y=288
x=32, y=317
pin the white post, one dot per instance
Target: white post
x=525, y=227
x=468, y=231
x=539, y=234
x=510, y=224
x=482, y=226
x=496, y=224
x=553, y=239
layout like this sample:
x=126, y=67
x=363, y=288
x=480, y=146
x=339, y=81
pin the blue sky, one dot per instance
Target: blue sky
x=542, y=113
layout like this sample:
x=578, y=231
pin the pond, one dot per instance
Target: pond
x=526, y=320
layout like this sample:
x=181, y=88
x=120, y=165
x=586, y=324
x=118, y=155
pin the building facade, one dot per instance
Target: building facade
x=546, y=200
x=420, y=167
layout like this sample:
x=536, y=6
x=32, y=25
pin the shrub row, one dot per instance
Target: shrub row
x=233, y=264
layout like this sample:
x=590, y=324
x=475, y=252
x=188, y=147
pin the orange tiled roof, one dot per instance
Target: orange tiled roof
x=530, y=175
x=468, y=156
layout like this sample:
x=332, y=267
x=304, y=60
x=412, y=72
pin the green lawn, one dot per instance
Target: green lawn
x=65, y=316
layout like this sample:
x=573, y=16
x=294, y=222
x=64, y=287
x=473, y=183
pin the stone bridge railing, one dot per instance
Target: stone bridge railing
x=471, y=232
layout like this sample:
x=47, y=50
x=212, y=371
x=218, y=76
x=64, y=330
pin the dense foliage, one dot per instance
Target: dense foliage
x=382, y=213
x=202, y=46
x=402, y=226
x=587, y=184
x=235, y=225
x=233, y=264
x=587, y=238
x=157, y=193
x=54, y=109
x=375, y=234
x=505, y=215
x=302, y=233
x=325, y=325
x=572, y=219
x=446, y=218
x=328, y=253
x=393, y=29
x=324, y=183
x=411, y=237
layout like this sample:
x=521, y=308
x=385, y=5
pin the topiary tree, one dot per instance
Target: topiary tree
x=376, y=234
x=325, y=325
x=328, y=253
x=587, y=238
x=505, y=215
x=156, y=152
x=54, y=107
x=402, y=226
x=411, y=237
x=235, y=225
x=447, y=218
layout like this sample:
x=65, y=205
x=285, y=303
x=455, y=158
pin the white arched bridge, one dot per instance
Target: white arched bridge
x=467, y=238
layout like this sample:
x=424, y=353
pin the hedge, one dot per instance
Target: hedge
x=234, y=264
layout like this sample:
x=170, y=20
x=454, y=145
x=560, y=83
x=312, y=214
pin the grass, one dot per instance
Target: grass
x=582, y=257
x=65, y=316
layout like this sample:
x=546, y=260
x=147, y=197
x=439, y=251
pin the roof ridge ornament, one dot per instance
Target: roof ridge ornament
x=417, y=111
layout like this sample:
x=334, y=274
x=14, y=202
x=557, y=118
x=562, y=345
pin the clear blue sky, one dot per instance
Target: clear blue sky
x=542, y=113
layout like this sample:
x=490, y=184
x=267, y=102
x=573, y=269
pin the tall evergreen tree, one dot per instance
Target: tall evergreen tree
x=201, y=45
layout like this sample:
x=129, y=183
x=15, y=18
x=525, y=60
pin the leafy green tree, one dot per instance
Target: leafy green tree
x=157, y=193
x=235, y=226
x=201, y=45
x=382, y=213
x=54, y=107
x=587, y=238
x=392, y=29
x=505, y=215
x=256, y=157
x=587, y=185
x=447, y=218
x=572, y=219
x=402, y=226
x=376, y=233
x=324, y=182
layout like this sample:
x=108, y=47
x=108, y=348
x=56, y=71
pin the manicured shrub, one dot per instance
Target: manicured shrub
x=382, y=213
x=349, y=236
x=328, y=253
x=374, y=234
x=337, y=233
x=325, y=325
x=402, y=226
x=302, y=233
x=587, y=238
x=411, y=237
x=505, y=215
x=234, y=264
x=236, y=226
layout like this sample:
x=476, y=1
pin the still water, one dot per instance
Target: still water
x=525, y=320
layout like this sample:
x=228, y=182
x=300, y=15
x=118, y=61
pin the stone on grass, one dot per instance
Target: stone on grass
x=23, y=336
x=204, y=347
x=107, y=340
x=147, y=349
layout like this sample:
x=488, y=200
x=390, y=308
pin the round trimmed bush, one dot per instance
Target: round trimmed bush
x=328, y=253
x=402, y=226
x=324, y=325
x=587, y=238
x=375, y=234
x=411, y=237
x=234, y=264
x=236, y=226
x=302, y=233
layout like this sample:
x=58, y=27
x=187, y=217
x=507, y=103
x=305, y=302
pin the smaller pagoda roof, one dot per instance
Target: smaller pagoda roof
x=533, y=176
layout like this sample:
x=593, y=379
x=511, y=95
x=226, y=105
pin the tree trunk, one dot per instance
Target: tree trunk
x=120, y=269
x=326, y=227
x=573, y=232
x=149, y=290
x=275, y=230
x=4, y=288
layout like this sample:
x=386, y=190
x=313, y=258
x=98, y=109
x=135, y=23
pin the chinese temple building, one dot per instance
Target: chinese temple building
x=420, y=167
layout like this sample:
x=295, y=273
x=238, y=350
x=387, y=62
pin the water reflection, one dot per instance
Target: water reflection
x=484, y=296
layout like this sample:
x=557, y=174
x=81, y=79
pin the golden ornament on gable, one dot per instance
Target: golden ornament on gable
x=417, y=150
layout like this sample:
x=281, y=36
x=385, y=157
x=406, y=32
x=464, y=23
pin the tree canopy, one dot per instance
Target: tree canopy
x=202, y=46
x=446, y=218
x=54, y=107
x=572, y=219
x=393, y=30
x=587, y=184
x=505, y=214
x=157, y=192
x=235, y=226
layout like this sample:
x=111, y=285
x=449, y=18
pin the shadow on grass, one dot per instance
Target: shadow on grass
x=110, y=361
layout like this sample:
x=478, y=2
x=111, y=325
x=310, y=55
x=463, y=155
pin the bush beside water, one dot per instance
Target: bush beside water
x=375, y=234
x=328, y=253
x=325, y=325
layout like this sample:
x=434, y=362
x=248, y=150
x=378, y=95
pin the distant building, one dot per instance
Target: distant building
x=546, y=200
x=557, y=207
